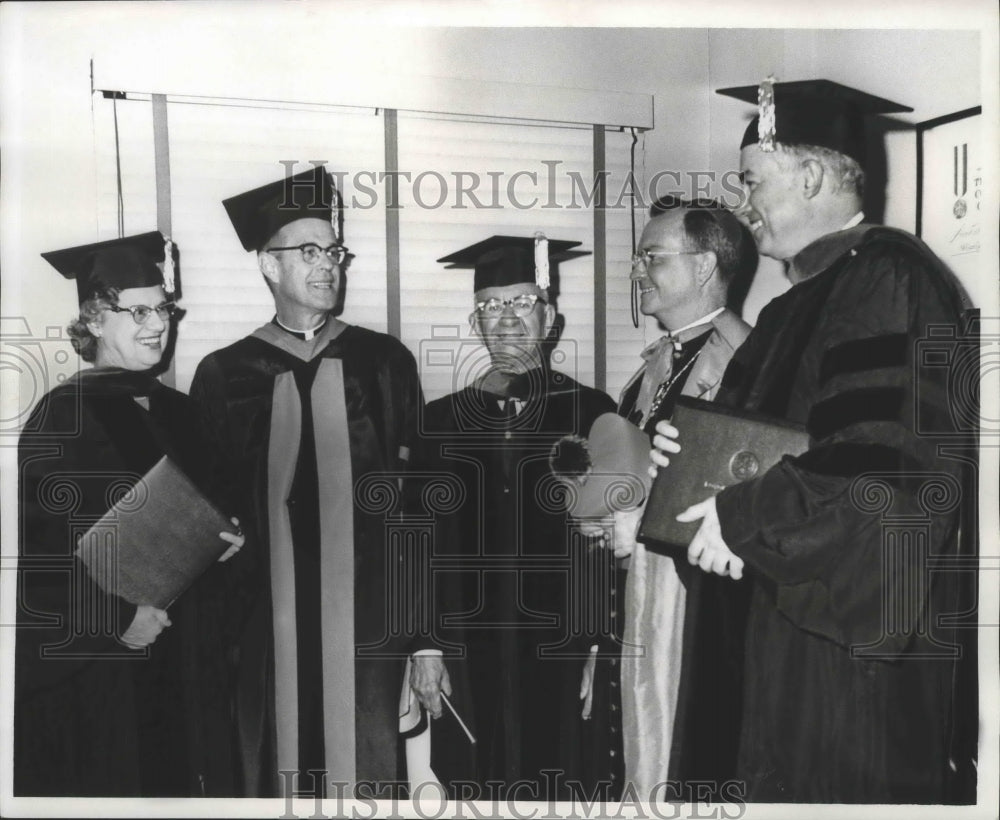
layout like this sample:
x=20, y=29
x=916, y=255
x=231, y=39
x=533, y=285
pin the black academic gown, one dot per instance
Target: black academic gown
x=848, y=693
x=91, y=716
x=323, y=640
x=514, y=575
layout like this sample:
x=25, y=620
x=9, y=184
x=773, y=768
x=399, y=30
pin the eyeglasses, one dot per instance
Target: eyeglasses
x=522, y=306
x=311, y=252
x=643, y=259
x=140, y=313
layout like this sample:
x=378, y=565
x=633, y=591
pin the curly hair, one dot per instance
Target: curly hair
x=84, y=342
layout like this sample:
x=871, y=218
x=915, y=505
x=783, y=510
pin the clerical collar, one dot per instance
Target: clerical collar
x=673, y=337
x=304, y=335
x=704, y=320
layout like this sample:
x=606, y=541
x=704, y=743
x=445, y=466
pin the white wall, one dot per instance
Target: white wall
x=48, y=180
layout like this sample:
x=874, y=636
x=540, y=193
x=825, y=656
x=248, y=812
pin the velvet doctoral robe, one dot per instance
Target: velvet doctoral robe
x=516, y=588
x=311, y=440
x=850, y=673
x=93, y=717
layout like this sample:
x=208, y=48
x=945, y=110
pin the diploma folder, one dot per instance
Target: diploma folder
x=156, y=540
x=719, y=447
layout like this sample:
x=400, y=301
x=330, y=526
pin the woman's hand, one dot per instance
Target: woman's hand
x=147, y=624
x=237, y=539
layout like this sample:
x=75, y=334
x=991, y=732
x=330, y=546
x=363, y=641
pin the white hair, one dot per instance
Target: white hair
x=846, y=174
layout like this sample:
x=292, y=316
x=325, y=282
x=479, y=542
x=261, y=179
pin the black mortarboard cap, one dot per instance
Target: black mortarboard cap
x=258, y=214
x=509, y=260
x=124, y=263
x=817, y=112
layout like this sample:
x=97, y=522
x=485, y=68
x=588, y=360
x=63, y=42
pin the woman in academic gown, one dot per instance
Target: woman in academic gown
x=111, y=699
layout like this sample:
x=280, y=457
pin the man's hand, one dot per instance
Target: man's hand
x=147, y=624
x=619, y=528
x=587, y=684
x=708, y=550
x=236, y=539
x=599, y=528
x=664, y=442
x=626, y=527
x=428, y=679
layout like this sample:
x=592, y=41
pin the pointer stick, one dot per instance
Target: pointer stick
x=461, y=722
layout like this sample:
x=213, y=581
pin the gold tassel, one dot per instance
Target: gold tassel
x=168, y=265
x=541, y=260
x=335, y=212
x=765, y=109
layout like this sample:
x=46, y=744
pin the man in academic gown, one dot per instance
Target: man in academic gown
x=676, y=682
x=851, y=691
x=509, y=600
x=314, y=420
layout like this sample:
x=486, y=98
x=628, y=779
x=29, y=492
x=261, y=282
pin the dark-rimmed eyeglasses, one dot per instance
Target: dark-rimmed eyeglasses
x=522, y=305
x=312, y=253
x=140, y=313
x=643, y=259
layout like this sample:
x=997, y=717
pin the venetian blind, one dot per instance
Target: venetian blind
x=217, y=151
x=468, y=179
